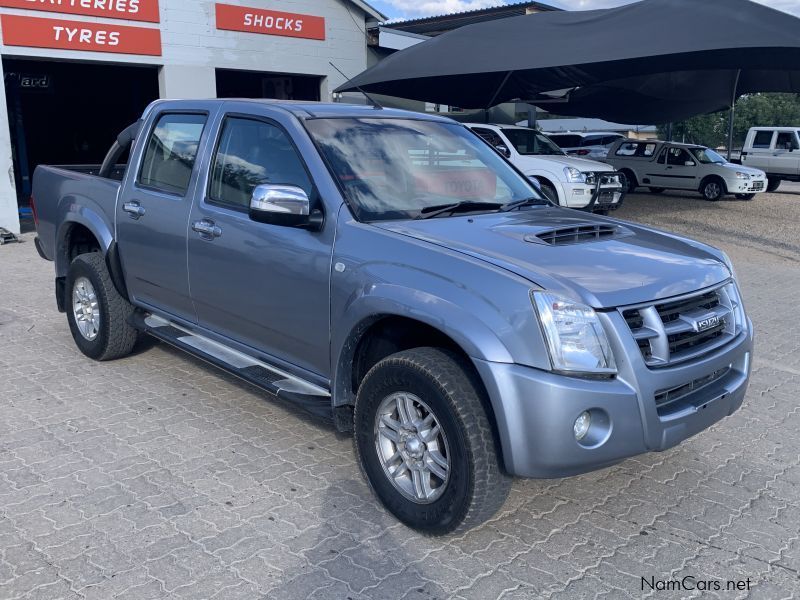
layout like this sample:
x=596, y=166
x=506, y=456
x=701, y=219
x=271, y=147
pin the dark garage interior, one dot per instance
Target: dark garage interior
x=279, y=86
x=70, y=113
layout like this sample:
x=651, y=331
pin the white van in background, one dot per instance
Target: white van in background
x=774, y=150
x=569, y=181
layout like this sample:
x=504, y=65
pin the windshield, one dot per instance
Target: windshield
x=529, y=142
x=707, y=156
x=397, y=168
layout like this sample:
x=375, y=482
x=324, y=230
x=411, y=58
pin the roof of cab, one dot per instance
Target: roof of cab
x=304, y=109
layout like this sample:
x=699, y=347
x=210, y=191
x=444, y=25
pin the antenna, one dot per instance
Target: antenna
x=374, y=102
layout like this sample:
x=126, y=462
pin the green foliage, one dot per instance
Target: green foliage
x=752, y=110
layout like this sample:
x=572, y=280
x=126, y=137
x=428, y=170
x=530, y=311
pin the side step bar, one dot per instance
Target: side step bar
x=311, y=397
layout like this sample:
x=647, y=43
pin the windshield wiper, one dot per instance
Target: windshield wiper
x=465, y=205
x=532, y=201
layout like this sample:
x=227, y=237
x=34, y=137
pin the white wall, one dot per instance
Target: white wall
x=193, y=48
x=9, y=218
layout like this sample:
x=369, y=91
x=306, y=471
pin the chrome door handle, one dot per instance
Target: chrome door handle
x=207, y=229
x=134, y=209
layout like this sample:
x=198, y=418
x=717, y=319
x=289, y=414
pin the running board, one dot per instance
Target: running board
x=311, y=397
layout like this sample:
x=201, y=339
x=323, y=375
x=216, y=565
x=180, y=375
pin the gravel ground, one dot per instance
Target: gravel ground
x=768, y=223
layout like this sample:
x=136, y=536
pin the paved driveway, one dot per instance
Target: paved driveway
x=158, y=477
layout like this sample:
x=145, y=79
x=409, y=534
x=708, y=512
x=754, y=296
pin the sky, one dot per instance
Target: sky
x=411, y=9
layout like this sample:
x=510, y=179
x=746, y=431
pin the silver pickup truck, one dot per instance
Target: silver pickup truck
x=393, y=272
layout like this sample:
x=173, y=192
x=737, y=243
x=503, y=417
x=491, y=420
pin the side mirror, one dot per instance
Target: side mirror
x=689, y=163
x=285, y=205
x=503, y=149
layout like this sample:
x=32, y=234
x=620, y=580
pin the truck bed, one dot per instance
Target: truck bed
x=74, y=191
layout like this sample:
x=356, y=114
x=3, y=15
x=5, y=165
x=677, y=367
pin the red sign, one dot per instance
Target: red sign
x=132, y=10
x=269, y=22
x=33, y=32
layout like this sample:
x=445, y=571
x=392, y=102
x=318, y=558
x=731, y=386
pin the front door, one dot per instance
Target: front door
x=785, y=159
x=264, y=286
x=153, y=211
x=672, y=170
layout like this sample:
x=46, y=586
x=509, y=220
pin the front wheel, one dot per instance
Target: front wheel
x=745, y=196
x=549, y=191
x=629, y=182
x=712, y=190
x=97, y=314
x=426, y=443
x=773, y=183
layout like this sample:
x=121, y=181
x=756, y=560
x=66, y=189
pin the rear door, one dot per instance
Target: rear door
x=153, y=211
x=261, y=285
x=785, y=159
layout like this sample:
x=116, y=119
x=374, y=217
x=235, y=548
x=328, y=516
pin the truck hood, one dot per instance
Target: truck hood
x=582, y=164
x=632, y=265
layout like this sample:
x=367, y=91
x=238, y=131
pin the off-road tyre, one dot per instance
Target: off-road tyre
x=115, y=337
x=477, y=486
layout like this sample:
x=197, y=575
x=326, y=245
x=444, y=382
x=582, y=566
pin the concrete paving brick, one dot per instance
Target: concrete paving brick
x=158, y=477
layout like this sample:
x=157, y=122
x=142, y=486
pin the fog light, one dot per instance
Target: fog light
x=582, y=424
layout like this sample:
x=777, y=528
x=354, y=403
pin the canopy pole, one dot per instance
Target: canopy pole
x=499, y=89
x=732, y=114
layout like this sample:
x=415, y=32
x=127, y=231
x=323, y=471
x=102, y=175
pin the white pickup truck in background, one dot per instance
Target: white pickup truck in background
x=663, y=166
x=775, y=150
x=568, y=181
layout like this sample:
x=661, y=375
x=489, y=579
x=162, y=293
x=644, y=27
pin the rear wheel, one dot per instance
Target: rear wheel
x=426, y=443
x=97, y=314
x=657, y=190
x=773, y=183
x=745, y=196
x=712, y=189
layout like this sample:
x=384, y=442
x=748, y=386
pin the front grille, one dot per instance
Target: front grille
x=685, y=328
x=577, y=235
x=676, y=398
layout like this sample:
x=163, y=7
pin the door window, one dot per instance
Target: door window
x=171, y=151
x=252, y=153
x=786, y=141
x=490, y=136
x=677, y=157
x=763, y=139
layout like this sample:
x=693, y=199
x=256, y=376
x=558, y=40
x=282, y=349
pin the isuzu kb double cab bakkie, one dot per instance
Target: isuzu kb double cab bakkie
x=394, y=272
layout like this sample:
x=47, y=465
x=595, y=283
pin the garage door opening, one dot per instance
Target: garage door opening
x=279, y=86
x=70, y=113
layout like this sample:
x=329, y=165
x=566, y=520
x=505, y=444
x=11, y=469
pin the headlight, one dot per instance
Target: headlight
x=728, y=263
x=575, y=337
x=573, y=175
x=740, y=175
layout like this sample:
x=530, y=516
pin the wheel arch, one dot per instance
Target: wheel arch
x=381, y=335
x=716, y=177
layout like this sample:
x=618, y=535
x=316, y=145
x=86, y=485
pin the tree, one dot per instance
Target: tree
x=752, y=110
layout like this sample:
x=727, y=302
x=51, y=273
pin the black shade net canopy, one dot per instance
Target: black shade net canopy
x=654, y=61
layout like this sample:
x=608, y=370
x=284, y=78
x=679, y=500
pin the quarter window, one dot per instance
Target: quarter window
x=252, y=153
x=171, y=152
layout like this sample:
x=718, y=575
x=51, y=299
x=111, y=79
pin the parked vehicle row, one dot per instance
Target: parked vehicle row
x=775, y=150
x=663, y=166
x=567, y=180
x=392, y=272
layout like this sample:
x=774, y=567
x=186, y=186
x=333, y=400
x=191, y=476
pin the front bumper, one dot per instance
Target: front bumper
x=744, y=186
x=591, y=197
x=535, y=410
